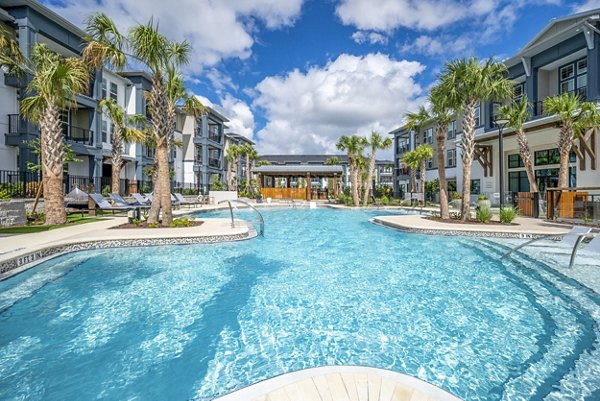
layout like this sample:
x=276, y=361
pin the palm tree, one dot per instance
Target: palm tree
x=517, y=113
x=411, y=162
x=124, y=131
x=376, y=142
x=353, y=145
x=575, y=117
x=465, y=83
x=162, y=57
x=333, y=161
x=443, y=115
x=104, y=43
x=231, y=155
x=422, y=154
x=251, y=154
x=11, y=58
x=55, y=83
x=416, y=120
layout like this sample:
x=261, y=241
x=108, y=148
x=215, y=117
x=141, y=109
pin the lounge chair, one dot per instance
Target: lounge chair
x=119, y=201
x=570, y=240
x=141, y=199
x=183, y=201
x=104, y=205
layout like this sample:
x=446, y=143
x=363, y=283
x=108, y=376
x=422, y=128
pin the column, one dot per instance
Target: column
x=308, y=187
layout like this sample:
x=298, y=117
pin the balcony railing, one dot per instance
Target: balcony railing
x=538, y=107
x=215, y=163
x=14, y=123
x=78, y=134
x=214, y=136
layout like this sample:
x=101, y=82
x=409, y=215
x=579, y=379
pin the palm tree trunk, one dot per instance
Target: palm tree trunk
x=413, y=180
x=117, y=160
x=247, y=175
x=367, y=188
x=441, y=153
x=468, y=147
x=422, y=168
x=564, y=149
x=157, y=103
x=52, y=152
x=526, y=157
x=354, y=180
x=236, y=173
x=164, y=183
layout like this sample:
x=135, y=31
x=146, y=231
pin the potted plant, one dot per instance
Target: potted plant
x=456, y=202
x=484, y=202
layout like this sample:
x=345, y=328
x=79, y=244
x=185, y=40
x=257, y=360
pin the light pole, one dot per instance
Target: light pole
x=501, y=123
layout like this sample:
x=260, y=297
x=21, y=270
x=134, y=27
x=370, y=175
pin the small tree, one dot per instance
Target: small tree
x=353, y=145
x=422, y=154
x=376, y=142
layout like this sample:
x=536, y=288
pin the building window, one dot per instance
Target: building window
x=515, y=161
x=518, y=181
x=452, y=130
x=546, y=157
x=199, y=154
x=518, y=91
x=452, y=185
x=475, y=187
x=114, y=91
x=429, y=163
x=428, y=136
x=478, y=114
x=104, y=131
x=573, y=78
x=104, y=86
x=451, y=156
x=402, y=146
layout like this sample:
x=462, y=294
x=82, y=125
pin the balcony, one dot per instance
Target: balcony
x=214, y=136
x=538, y=107
x=78, y=134
x=214, y=163
x=15, y=124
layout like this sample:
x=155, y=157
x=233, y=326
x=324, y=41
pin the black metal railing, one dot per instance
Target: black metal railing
x=78, y=134
x=187, y=188
x=14, y=123
x=216, y=163
x=538, y=107
x=19, y=184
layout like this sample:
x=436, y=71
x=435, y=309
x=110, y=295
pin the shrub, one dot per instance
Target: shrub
x=456, y=195
x=136, y=222
x=182, y=222
x=404, y=203
x=482, y=197
x=153, y=225
x=106, y=190
x=483, y=215
x=4, y=196
x=507, y=214
x=394, y=202
x=385, y=200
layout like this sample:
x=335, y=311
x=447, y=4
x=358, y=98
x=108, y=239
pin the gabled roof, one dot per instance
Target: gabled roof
x=556, y=31
x=46, y=12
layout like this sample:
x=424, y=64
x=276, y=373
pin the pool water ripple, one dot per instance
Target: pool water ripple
x=323, y=287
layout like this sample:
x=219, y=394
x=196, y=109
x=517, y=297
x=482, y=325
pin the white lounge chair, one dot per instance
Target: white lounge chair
x=183, y=201
x=570, y=240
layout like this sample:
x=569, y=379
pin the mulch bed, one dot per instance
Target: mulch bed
x=469, y=221
x=145, y=225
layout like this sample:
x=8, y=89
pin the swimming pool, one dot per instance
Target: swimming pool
x=323, y=287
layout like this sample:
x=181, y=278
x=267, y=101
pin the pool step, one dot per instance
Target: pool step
x=575, y=356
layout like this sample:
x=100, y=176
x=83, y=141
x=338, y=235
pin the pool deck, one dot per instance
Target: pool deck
x=22, y=251
x=341, y=383
x=523, y=227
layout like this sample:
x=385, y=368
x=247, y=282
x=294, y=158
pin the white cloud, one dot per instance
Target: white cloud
x=586, y=6
x=216, y=29
x=308, y=111
x=239, y=114
x=443, y=45
x=387, y=15
x=372, y=38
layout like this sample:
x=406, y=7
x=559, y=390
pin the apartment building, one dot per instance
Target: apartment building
x=563, y=57
x=202, y=155
x=86, y=128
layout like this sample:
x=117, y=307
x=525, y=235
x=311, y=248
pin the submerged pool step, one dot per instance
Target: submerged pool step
x=576, y=356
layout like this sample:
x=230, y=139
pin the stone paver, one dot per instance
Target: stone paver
x=341, y=383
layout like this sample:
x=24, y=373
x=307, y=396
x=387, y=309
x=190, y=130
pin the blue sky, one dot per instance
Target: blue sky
x=294, y=75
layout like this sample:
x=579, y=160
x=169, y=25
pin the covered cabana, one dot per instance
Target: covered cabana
x=307, y=182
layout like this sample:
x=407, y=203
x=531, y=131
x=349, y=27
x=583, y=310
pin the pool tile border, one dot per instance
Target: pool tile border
x=21, y=263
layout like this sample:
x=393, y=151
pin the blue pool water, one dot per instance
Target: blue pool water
x=323, y=287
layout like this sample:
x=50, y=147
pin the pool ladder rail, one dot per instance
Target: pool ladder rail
x=260, y=216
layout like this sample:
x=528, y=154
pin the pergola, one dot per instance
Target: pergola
x=269, y=177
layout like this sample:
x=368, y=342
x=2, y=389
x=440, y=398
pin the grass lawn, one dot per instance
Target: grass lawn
x=72, y=220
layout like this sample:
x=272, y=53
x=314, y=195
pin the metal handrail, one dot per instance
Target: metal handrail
x=260, y=216
x=580, y=238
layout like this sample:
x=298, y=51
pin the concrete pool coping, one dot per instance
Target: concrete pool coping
x=341, y=383
x=24, y=251
x=525, y=227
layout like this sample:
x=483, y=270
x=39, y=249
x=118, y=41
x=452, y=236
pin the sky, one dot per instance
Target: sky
x=295, y=75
